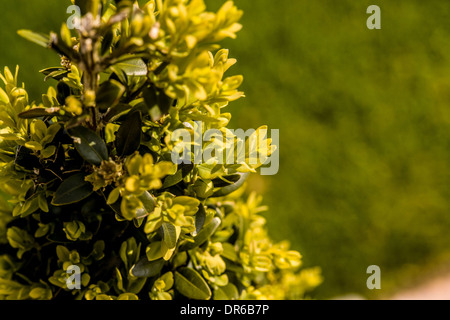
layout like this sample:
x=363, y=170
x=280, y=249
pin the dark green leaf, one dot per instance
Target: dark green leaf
x=191, y=284
x=89, y=145
x=107, y=42
x=136, y=285
x=117, y=112
x=56, y=73
x=129, y=135
x=37, y=113
x=148, y=201
x=63, y=92
x=226, y=181
x=47, y=71
x=200, y=218
x=72, y=190
x=109, y=94
x=145, y=269
x=231, y=188
x=157, y=102
x=150, y=97
x=170, y=181
x=87, y=5
x=164, y=102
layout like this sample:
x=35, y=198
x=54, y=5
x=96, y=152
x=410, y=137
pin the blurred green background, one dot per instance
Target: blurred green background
x=364, y=126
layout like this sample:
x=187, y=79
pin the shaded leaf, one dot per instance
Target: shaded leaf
x=226, y=180
x=191, y=284
x=39, y=112
x=56, y=73
x=72, y=190
x=200, y=218
x=231, y=188
x=117, y=111
x=129, y=135
x=170, y=181
x=109, y=94
x=89, y=145
x=145, y=269
x=63, y=92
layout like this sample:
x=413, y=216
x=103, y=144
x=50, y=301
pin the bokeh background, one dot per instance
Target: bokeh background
x=364, y=127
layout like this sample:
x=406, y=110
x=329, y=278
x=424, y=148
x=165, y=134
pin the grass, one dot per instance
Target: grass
x=364, y=122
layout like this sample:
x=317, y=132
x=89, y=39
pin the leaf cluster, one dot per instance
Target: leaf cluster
x=89, y=175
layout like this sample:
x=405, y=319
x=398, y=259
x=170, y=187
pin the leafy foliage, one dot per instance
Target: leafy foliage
x=89, y=175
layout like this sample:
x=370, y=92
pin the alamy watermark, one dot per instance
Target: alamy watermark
x=73, y=280
x=74, y=21
x=374, y=281
x=374, y=21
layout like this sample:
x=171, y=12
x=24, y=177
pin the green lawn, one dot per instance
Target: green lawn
x=364, y=121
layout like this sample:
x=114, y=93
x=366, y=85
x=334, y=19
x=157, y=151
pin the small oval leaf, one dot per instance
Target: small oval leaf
x=39, y=112
x=170, y=181
x=89, y=145
x=191, y=284
x=72, y=190
x=169, y=235
x=109, y=94
x=145, y=269
x=129, y=134
x=200, y=218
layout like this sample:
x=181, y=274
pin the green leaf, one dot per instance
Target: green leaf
x=157, y=102
x=117, y=111
x=203, y=235
x=231, y=188
x=129, y=134
x=146, y=269
x=136, y=285
x=107, y=42
x=169, y=235
x=191, y=284
x=170, y=181
x=63, y=92
x=72, y=190
x=89, y=145
x=41, y=39
x=226, y=180
x=38, y=112
x=229, y=252
x=132, y=67
x=203, y=189
x=4, y=96
x=88, y=6
x=109, y=94
x=200, y=218
x=62, y=253
x=228, y=292
x=148, y=201
x=56, y=73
